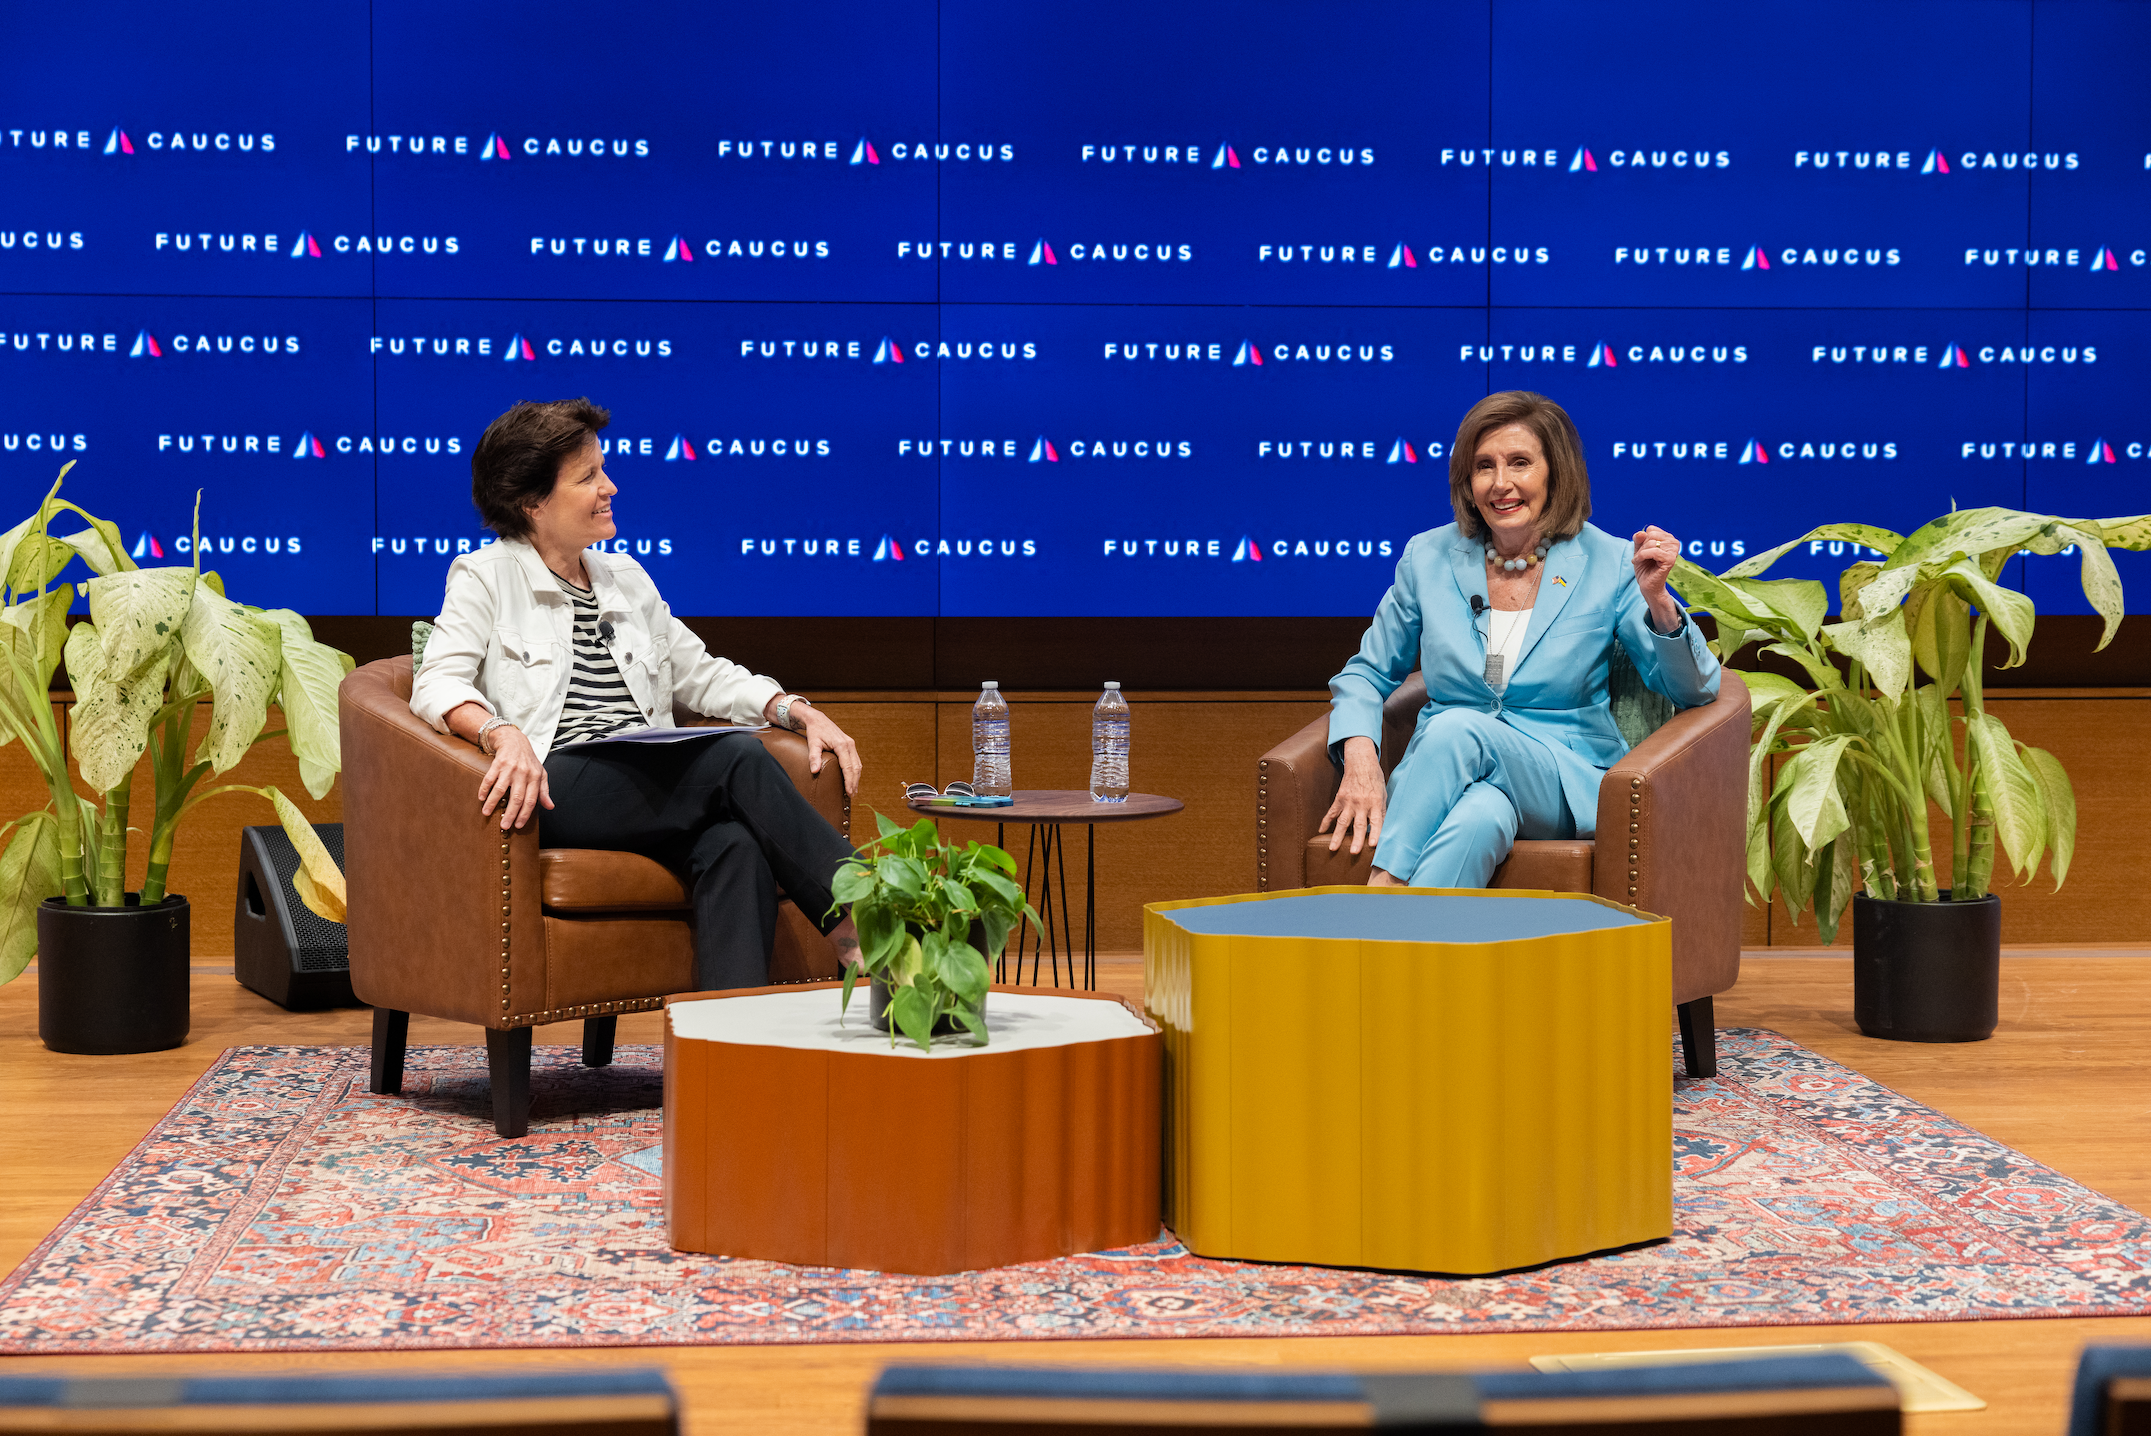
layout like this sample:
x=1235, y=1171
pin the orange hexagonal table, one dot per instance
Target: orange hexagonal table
x=792, y=1137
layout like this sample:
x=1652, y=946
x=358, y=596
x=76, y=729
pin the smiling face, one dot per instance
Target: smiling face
x=578, y=512
x=1509, y=486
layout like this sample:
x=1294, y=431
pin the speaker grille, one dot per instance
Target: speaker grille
x=322, y=944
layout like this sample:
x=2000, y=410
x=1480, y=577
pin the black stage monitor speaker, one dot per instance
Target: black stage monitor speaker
x=281, y=948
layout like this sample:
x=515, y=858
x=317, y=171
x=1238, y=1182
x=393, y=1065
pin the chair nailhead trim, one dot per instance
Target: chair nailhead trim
x=507, y=908
x=1635, y=825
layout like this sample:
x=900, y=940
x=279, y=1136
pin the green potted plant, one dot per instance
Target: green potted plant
x=928, y=915
x=159, y=642
x=1863, y=748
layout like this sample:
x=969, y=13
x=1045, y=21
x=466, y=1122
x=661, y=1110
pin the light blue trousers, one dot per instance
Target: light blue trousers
x=1468, y=786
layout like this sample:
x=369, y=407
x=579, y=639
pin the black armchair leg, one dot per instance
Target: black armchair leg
x=507, y=1059
x=391, y=1031
x=1699, y=1037
x=597, y=1039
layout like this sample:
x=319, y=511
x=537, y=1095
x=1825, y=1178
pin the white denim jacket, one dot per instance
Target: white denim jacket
x=505, y=640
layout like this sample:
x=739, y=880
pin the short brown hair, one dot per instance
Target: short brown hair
x=520, y=454
x=1568, y=482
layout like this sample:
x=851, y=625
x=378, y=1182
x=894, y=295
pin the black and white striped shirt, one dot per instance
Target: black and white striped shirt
x=598, y=702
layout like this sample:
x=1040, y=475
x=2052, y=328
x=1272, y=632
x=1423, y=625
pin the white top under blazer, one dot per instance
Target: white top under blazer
x=506, y=641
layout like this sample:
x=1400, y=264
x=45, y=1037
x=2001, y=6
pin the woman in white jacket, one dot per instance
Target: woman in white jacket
x=543, y=641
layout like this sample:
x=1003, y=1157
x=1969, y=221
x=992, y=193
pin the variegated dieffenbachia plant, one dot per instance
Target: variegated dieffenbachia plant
x=158, y=643
x=1866, y=745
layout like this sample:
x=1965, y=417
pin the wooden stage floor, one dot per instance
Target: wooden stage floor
x=2067, y=1080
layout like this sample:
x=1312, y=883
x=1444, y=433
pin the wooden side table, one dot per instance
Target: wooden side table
x=1047, y=810
x=791, y=1138
x=1413, y=1078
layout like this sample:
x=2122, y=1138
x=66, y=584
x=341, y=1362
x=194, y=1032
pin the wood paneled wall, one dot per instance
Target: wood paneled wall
x=2101, y=737
x=1201, y=747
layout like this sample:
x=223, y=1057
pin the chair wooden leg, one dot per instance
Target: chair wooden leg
x=507, y=1058
x=391, y=1031
x=1699, y=1037
x=597, y=1039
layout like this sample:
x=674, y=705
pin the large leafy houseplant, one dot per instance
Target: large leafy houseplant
x=159, y=642
x=1863, y=745
x=915, y=901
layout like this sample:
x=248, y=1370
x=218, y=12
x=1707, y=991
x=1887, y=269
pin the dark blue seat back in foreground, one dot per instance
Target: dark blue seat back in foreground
x=1775, y=1396
x=2113, y=1392
x=627, y=1401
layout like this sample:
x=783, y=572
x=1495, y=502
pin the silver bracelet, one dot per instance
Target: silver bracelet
x=488, y=726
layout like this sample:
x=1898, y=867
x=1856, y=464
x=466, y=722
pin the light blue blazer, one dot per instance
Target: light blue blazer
x=1557, y=693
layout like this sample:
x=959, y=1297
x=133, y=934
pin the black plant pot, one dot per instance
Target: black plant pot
x=1926, y=971
x=112, y=979
x=946, y=1023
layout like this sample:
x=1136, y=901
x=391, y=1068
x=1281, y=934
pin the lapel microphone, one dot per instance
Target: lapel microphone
x=605, y=629
x=1495, y=662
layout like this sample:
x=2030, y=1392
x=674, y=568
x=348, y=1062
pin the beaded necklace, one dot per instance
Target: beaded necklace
x=1518, y=564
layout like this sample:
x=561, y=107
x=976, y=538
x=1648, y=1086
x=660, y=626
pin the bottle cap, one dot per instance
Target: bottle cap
x=1113, y=686
x=990, y=683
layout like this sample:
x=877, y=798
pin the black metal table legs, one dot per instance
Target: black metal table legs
x=1045, y=872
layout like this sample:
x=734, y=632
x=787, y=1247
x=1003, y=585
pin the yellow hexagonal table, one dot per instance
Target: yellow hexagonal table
x=1419, y=1079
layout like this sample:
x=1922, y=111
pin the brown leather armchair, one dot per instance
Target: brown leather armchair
x=1679, y=799
x=449, y=917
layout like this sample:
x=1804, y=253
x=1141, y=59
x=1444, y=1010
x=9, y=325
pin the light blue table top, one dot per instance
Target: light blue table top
x=1401, y=917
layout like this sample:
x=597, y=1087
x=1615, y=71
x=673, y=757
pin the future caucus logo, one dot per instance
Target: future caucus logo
x=679, y=249
x=2096, y=259
x=303, y=245
x=308, y=445
x=1043, y=251
x=155, y=140
x=1600, y=354
x=1249, y=549
x=1755, y=450
x=889, y=548
x=497, y=146
x=1952, y=355
x=1936, y=161
x=517, y=348
x=1224, y=155
x=1249, y=353
x=1584, y=159
x=1757, y=257
x=1402, y=254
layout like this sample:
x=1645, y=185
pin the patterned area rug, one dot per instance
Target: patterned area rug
x=280, y=1207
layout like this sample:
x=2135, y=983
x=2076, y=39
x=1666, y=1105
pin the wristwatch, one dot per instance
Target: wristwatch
x=784, y=710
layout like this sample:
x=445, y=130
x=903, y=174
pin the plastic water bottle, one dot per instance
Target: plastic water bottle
x=990, y=776
x=1109, y=748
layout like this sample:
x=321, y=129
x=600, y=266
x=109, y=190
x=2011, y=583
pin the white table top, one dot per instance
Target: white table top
x=809, y=1020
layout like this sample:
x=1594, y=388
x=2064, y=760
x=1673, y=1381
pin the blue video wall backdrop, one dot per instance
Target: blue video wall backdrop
x=965, y=308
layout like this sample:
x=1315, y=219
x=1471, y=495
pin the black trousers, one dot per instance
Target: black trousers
x=722, y=812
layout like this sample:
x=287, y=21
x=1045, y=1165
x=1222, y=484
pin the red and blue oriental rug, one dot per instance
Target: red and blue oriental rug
x=282, y=1208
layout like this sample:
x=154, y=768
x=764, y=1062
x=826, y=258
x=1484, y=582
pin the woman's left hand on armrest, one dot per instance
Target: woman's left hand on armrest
x=1656, y=551
x=823, y=736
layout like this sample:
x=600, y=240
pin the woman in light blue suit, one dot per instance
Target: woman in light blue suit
x=1512, y=613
